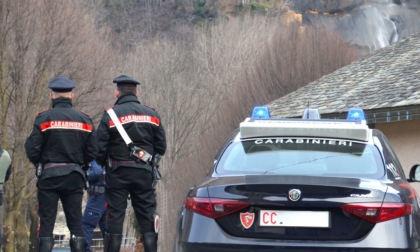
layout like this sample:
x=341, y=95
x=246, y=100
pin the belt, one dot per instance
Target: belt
x=97, y=189
x=127, y=162
x=55, y=165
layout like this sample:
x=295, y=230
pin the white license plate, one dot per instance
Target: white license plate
x=286, y=218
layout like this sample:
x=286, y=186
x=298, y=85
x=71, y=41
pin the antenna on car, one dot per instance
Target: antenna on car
x=307, y=108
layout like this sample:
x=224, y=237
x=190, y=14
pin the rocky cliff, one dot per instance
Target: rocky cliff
x=371, y=24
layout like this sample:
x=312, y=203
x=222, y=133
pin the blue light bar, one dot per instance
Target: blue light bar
x=260, y=112
x=356, y=114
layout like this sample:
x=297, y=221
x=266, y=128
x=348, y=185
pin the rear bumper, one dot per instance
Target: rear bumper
x=394, y=235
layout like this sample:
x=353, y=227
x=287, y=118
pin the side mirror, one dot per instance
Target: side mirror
x=414, y=173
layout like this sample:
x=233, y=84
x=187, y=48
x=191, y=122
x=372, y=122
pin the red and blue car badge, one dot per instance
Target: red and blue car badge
x=247, y=219
x=294, y=194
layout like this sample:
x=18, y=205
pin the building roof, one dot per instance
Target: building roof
x=386, y=84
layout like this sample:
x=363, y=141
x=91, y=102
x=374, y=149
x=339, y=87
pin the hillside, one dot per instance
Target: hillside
x=369, y=24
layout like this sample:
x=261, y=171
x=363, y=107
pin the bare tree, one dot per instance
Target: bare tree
x=40, y=39
x=293, y=57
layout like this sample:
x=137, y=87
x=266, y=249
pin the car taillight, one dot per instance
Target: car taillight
x=213, y=208
x=378, y=212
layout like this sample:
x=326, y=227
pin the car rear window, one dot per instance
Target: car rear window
x=301, y=156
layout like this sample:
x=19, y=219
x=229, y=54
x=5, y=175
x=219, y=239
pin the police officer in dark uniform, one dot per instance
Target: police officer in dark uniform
x=125, y=175
x=62, y=142
x=95, y=210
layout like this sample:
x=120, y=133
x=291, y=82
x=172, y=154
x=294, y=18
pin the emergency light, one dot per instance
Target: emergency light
x=356, y=114
x=260, y=113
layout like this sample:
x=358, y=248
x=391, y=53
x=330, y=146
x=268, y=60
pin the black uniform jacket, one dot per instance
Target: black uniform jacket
x=142, y=124
x=62, y=135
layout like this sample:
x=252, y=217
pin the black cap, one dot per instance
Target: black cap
x=61, y=84
x=124, y=79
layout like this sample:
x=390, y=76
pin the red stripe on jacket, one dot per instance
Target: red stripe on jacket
x=66, y=125
x=136, y=119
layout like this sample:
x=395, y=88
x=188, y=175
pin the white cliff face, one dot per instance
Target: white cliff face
x=370, y=24
x=369, y=27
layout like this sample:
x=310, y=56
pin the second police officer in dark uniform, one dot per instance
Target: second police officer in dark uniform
x=127, y=176
x=62, y=142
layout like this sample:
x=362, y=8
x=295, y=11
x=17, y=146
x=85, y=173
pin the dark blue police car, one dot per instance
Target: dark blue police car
x=302, y=185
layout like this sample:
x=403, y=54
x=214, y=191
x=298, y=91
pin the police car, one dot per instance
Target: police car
x=306, y=184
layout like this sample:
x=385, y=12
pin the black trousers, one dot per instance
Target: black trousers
x=68, y=189
x=137, y=183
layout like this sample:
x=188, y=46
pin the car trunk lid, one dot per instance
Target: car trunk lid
x=296, y=207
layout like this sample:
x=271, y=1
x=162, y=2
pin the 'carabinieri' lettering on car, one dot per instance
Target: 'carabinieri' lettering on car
x=303, y=141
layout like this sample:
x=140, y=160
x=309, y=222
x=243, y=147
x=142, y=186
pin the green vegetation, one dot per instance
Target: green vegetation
x=259, y=7
x=201, y=9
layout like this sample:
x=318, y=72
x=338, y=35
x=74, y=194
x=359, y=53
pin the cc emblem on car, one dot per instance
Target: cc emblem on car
x=294, y=194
